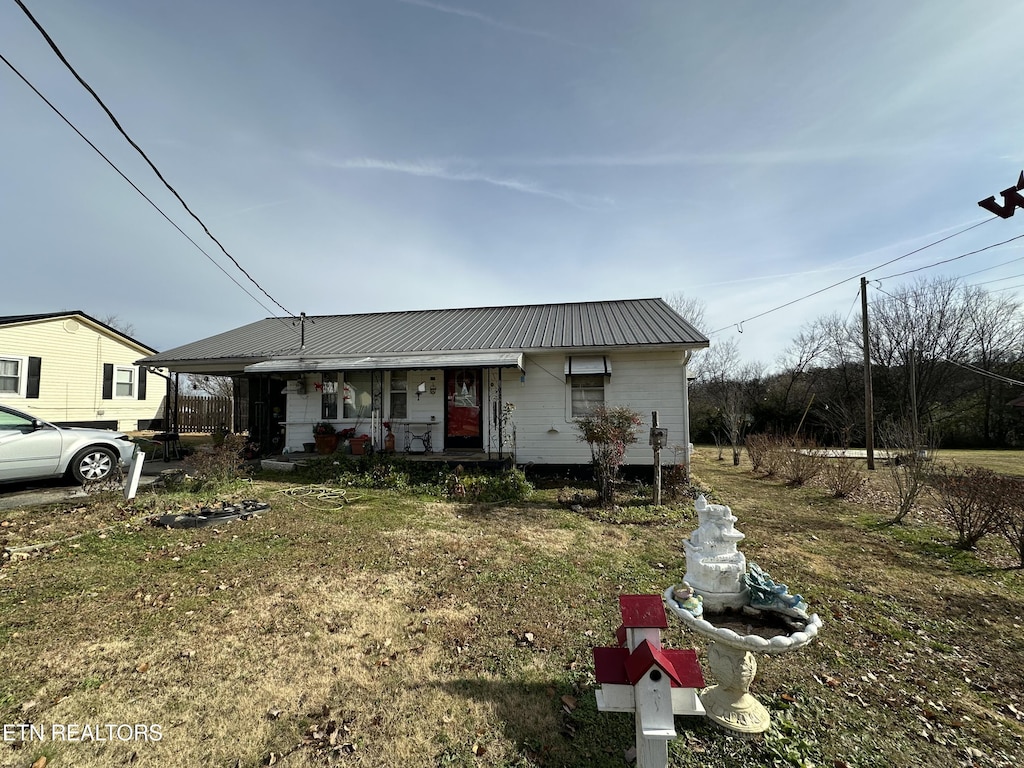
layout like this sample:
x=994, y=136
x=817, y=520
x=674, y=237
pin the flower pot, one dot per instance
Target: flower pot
x=358, y=445
x=389, y=443
x=326, y=444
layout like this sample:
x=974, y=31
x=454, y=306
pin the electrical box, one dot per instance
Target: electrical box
x=659, y=437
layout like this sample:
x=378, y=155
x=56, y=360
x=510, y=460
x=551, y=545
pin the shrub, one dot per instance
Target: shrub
x=801, y=463
x=758, y=447
x=217, y=465
x=1011, y=522
x=608, y=430
x=841, y=477
x=508, y=485
x=971, y=501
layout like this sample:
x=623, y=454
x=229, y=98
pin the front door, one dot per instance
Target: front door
x=463, y=418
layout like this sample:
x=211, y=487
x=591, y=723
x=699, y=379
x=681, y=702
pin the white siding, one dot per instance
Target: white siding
x=545, y=434
x=73, y=352
x=645, y=381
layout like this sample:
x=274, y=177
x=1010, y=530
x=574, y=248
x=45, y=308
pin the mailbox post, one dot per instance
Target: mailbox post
x=640, y=676
x=658, y=439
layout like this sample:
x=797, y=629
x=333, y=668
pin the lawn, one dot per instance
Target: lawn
x=400, y=629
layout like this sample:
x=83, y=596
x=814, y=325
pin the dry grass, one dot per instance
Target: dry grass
x=398, y=631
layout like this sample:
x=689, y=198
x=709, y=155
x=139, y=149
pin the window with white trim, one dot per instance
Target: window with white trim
x=124, y=382
x=399, y=397
x=356, y=397
x=587, y=393
x=12, y=376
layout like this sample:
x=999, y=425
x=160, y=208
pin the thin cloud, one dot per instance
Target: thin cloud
x=449, y=171
x=488, y=20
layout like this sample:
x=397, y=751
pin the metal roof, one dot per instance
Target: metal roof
x=596, y=325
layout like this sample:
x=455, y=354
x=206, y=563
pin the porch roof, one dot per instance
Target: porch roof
x=411, y=361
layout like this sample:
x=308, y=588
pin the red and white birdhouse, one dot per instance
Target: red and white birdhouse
x=640, y=676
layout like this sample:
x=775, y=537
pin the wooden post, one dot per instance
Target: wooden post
x=656, y=443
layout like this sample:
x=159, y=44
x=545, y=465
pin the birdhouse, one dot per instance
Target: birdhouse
x=640, y=676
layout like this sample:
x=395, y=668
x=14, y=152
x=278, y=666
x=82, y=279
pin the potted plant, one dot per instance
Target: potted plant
x=326, y=437
x=359, y=444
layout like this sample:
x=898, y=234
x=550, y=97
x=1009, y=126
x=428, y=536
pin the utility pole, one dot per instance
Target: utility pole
x=869, y=408
x=913, y=392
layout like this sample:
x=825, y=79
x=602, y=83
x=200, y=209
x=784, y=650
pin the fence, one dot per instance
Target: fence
x=205, y=414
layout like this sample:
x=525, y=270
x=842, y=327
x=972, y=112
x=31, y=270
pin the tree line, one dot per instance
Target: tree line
x=945, y=356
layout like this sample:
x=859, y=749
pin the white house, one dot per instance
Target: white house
x=70, y=369
x=501, y=381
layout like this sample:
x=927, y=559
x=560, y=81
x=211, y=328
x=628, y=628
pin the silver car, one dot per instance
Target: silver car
x=32, y=449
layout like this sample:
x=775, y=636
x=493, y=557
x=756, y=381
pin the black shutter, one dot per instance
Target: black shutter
x=142, y=383
x=35, y=365
x=108, y=381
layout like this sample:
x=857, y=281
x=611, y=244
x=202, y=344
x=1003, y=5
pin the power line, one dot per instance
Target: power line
x=133, y=185
x=739, y=325
x=955, y=258
x=983, y=372
x=145, y=157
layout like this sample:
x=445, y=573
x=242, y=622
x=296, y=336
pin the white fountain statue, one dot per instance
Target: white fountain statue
x=714, y=566
x=717, y=592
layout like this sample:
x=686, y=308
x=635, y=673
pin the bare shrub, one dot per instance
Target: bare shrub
x=1011, y=521
x=217, y=465
x=757, y=449
x=766, y=453
x=971, y=501
x=907, y=448
x=801, y=463
x=841, y=477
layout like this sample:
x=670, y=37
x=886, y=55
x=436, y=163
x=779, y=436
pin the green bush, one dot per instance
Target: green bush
x=508, y=485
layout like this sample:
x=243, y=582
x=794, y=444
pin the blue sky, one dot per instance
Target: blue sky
x=377, y=155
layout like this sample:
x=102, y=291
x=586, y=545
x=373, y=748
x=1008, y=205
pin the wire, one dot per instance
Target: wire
x=145, y=157
x=848, y=279
x=955, y=258
x=987, y=374
x=133, y=185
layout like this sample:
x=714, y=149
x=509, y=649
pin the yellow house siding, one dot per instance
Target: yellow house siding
x=73, y=351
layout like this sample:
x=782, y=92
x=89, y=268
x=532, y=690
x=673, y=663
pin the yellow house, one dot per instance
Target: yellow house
x=70, y=369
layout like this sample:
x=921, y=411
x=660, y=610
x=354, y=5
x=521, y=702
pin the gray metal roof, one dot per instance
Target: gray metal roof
x=597, y=325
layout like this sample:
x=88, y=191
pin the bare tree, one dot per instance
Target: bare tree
x=115, y=322
x=729, y=389
x=214, y=386
x=690, y=308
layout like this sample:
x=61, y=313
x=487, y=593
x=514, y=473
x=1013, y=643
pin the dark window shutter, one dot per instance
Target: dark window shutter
x=108, y=381
x=35, y=365
x=142, y=384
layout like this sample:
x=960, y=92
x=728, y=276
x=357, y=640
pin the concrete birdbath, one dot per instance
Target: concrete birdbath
x=741, y=611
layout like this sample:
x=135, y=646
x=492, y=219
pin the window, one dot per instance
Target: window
x=329, y=398
x=399, y=403
x=11, y=369
x=357, y=399
x=587, y=393
x=124, y=382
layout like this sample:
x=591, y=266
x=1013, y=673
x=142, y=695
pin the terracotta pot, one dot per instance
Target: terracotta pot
x=389, y=443
x=326, y=444
x=358, y=445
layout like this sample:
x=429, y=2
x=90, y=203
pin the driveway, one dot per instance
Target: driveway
x=33, y=494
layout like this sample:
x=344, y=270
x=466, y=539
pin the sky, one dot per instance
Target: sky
x=387, y=155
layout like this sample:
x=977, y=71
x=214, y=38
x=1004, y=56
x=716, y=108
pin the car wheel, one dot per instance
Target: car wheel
x=93, y=464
